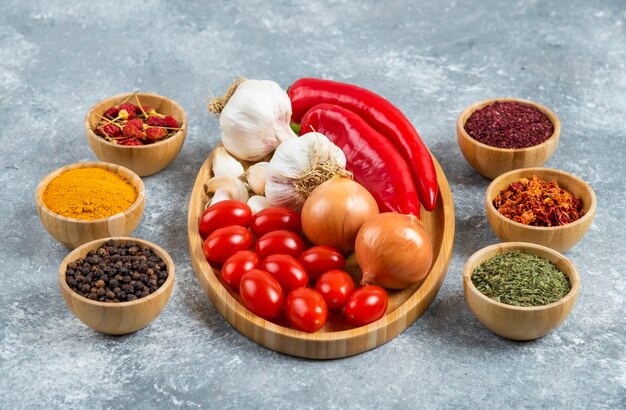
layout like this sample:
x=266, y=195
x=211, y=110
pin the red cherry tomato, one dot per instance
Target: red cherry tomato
x=306, y=309
x=320, y=259
x=261, y=293
x=286, y=270
x=223, y=214
x=224, y=242
x=279, y=242
x=335, y=286
x=275, y=219
x=366, y=305
x=238, y=264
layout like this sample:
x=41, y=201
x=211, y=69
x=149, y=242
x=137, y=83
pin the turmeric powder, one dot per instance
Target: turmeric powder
x=89, y=193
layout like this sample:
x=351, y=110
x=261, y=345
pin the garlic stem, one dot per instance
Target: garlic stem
x=225, y=164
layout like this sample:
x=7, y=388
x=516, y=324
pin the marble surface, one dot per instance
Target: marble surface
x=58, y=58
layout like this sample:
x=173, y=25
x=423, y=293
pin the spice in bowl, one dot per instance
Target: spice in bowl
x=521, y=279
x=117, y=273
x=536, y=202
x=89, y=193
x=509, y=124
x=135, y=124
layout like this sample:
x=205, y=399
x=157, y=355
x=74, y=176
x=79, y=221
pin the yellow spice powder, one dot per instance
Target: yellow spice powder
x=89, y=193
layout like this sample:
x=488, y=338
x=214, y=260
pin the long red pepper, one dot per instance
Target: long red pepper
x=373, y=160
x=383, y=116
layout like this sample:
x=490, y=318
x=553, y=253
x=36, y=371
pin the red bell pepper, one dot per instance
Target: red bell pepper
x=379, y=113
x=373, y=160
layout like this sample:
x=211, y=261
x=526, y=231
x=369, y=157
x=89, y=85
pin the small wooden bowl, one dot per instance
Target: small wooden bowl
x=75, y=232
x=491, y=161
x=117, y=318
x=514, y=322
x=559, y=238
x=144, y=159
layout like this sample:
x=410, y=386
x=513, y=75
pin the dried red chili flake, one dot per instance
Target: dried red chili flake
x=111, y=112
x=131, y=109
x=155, y=134
x=156, y=121
x=134, y=129
x=538, y=203
x=509, y=124
x=109, y=130
x=131, y=142
x=171, y=121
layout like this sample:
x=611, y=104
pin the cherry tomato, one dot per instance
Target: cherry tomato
x=275, y=219
x=306, y=309
x=238, y=264
x=261, y=293
x=335, y=286
x=279, y=242
x=223, y=214
x=320, y=259
x=224, y=242
x=366, y=305
x=286, y=270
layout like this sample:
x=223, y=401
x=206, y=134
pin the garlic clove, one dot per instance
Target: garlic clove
x=256, y=177
x=258, y=203
x=226, y=187
x=226, y=164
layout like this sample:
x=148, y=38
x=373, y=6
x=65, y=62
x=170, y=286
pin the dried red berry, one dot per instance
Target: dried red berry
x=130, y=108
x=109, y=130
x=155, y=134
x=156, y=121
x=131, y=141
x=134, y=129
x=111, y=112
x=171, y=121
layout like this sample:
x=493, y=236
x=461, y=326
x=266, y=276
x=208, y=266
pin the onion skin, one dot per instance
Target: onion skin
x=335, y=211
x=393, y=251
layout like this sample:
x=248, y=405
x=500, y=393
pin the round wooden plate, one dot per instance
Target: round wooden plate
x=338, y=338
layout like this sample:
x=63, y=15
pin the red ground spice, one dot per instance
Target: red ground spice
x=509, y=124
x=536, y=202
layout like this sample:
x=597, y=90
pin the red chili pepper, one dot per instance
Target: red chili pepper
x=379, y=113
x=373, y=160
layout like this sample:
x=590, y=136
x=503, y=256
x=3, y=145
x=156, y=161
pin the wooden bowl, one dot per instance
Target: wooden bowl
x=559, y=238
x=514, y=322
x=75, y=232
x=338, y=338
x=117, y=318
x=491, y=161
x=144, y=159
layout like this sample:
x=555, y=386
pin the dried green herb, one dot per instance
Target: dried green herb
x=521, y=279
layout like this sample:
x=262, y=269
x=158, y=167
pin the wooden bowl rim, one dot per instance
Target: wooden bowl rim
x=136, y=181
x=468, y=111
x=177, y=135
x=74, y=254
x=589, y=213
x=524, y=247
x=445, y=195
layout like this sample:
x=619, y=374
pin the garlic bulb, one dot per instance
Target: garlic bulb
x=258, y=203
x=256, y=177
x=254, y=118
x=226, y=187
x=225, y=164
x=299, y=166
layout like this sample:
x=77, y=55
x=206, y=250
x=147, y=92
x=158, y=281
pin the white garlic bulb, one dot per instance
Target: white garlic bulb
x=256, y=177
x=299, y=166
x=254, y=118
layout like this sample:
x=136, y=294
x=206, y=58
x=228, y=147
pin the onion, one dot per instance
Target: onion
x=393, y=251
x=334, y=212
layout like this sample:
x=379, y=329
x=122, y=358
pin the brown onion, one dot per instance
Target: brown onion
x=334, y=212
x=393, y=251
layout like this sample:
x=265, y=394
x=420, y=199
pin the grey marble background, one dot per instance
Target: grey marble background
x=57, y=58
